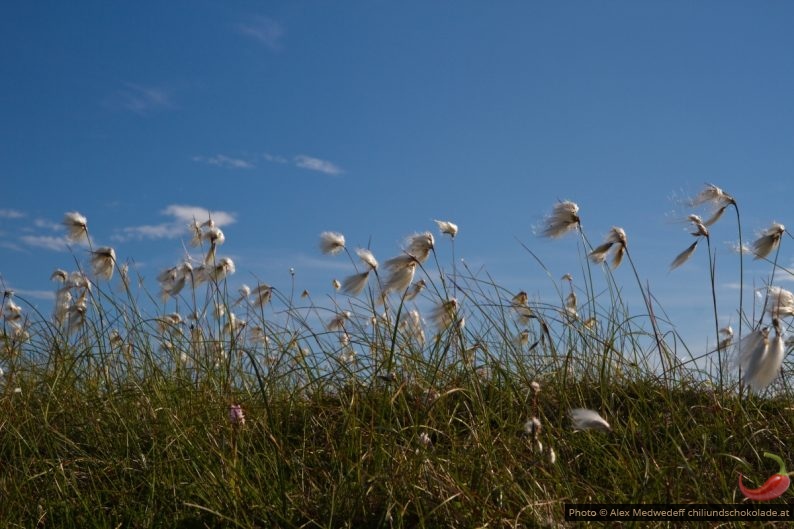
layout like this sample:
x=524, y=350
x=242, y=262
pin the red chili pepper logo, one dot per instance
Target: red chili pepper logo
x=774, y=487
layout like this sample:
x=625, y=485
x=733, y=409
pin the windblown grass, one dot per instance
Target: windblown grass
x=357, y=414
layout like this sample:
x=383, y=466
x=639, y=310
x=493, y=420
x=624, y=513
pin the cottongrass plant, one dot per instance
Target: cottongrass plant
x=585, y=419
x=563, y=219
x=717, y=200
x=331, y=242
x=76, y=226
x=103, y=262
x=768, y=241
x=615, y=242
x=352, y=417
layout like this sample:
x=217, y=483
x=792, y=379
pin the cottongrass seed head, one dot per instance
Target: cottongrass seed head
x=367, y=258
x=446, y=227
x=224, y=267
x=76, y=226
x=415, y=290
x=585, y=419
x=684, y=256
x=331, y=242
x=761, y=358
x=354, y=285
x=401, y=273
x=103, y=261
x=420, y=245
x=617, y=242
x=769, y=240
x=712, y=195
x=563, y=219
x=779, y=303
x=444, y=314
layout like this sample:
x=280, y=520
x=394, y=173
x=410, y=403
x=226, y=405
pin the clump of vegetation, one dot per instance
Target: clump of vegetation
x=202, y=407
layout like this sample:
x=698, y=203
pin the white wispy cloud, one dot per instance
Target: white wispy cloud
x=304, y=161
x=10, y=245
x=140, y=99
x=48, y=224
x=274, y=158
x=181, y=217
x=34, y=294
x=316, y=164
x=188, y=213
x=264, y=30
x=48, y=242
x=11, y=214
x=221, y=160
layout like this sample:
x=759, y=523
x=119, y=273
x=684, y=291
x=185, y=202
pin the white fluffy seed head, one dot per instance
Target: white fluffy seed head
x=415, y=290
x=713, y=195
x=700, y=226
x=103, y=261
x=444, y=314
x=214, y=235
x=761, y=358
x=563, y=219
x=400, y=275
x=367, y=258
x=420, y=245
x=76, y=226
x=447, y=227
x=615, y=241
x=780, y=302
x=331, y=242
x=769, y=240
x=684, y=256
x=338, y=322
x=353, y=285
x=224, y=267
x=532, y=427
x=584, y=419
x=263, y=293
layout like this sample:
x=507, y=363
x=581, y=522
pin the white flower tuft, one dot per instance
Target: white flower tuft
x=331, y=242
x=447, y=227
x=401, y=273
x=761, y=358
x=367, y=258
x=769, y=240
x=420, y=245
x=616, y=238
x=584, y=419
x=59, y=275
x=353, y=285
x=76, y=226
x=415, y=290
x=103, y=261
x=444, y=314
x=338, y=322
x=684, y=256
x=713, y=195
x=563, y=218
x=780, y=302
x=225, y=267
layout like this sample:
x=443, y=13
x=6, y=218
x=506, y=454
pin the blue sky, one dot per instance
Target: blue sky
x=372, y=118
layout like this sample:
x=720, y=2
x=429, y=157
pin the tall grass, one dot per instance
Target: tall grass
x=116, y=412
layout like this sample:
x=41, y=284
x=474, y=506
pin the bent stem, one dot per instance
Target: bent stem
x=645, y=298
x=712, y=267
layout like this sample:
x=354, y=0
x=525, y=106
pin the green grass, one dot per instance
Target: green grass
x=135, y=431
